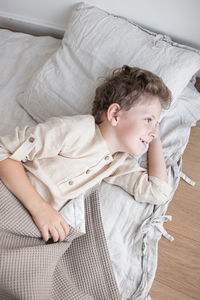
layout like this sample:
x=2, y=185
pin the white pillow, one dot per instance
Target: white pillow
x=95, y=43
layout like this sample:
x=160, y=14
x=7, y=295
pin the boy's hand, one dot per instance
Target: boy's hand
x=156, y=161
x=156, y=137
x=47, y=219
x=157, y=132
x=51, y=223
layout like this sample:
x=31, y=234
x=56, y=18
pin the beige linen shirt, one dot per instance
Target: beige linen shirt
x=66, y=156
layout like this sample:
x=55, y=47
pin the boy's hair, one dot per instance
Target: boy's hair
x=125, y=86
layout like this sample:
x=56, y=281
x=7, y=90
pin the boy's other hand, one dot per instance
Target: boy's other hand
x=51, y=223
x=157, y=132
x=157, y=135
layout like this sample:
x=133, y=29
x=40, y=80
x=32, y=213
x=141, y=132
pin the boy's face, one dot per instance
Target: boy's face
x=138, y=126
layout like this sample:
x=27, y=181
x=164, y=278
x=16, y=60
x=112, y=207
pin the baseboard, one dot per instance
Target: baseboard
x=30, y=26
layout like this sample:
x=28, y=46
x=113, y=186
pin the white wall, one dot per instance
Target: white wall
x=178, y=18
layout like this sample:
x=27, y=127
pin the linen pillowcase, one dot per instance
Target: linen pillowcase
x=96, y=42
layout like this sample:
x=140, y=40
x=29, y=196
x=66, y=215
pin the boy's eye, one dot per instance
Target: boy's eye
x=148, y=120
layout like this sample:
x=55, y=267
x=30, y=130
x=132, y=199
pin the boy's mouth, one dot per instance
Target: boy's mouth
x=145, y=143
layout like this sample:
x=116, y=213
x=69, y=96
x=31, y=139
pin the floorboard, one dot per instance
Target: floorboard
x=178, y=272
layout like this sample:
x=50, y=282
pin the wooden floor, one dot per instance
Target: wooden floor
x=178, y=272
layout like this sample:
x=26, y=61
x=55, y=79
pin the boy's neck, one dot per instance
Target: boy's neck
x=109, y=136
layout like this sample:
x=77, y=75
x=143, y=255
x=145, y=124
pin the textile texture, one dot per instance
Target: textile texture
x=78, y=268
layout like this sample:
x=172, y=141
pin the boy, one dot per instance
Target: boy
x=66, y=156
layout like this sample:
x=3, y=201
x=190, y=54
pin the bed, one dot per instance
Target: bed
x=34, y=72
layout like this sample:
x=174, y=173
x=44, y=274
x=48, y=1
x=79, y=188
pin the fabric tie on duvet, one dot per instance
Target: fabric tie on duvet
x=187, y=179
x=177, y=168
x=157, y=222
x=151, y=231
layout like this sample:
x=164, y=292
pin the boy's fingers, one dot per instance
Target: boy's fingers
x=54, y=234
x=61, y=233
x=45, y=234
x=65, y=227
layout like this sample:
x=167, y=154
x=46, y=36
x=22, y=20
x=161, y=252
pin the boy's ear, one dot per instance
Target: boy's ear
x=113, y=113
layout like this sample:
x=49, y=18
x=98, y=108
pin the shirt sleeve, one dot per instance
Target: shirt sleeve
x=45, y=140
x=135, y=180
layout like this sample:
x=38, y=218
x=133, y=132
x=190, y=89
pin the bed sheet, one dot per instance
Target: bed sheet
x=20, y=56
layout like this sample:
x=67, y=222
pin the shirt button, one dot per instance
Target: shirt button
x=71, y=182
x=88, y=171
x=25, y=159
x=31, y=139
x=107, y=157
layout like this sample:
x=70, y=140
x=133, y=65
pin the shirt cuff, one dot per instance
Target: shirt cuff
x=164, y=187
